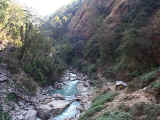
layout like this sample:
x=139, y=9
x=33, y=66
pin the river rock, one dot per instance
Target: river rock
x=73, y=76
x=20, y=117
x=81, y=87
x=31, y=115
x=86, y=84
x=53, y=108
x=58, y=97
x=3, y=77
x=58, y=85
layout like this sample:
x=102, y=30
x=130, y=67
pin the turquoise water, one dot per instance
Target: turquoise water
x=69, y=89
x=70, y=112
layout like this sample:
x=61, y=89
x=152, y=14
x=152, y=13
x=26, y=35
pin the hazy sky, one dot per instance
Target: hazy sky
x=44, y=7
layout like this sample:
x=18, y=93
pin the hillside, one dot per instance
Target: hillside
x=100, y=43
x=111, y=40
x=118, y=40
x=113, y=32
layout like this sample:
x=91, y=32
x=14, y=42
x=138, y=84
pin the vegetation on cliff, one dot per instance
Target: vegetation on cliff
x=118, y=39
x=113, y=39
x=125, y=43
x=25, y=48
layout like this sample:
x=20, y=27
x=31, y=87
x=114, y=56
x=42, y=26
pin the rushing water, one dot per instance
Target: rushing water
x=69, y=90
x=70, y=112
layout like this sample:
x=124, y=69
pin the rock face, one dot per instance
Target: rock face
x=80, y=22
x=3, y=73
x=31, y=115
x=43, y=105
x=85, y=95
x=84, y=23
x=58, y=97
x=87, y=21
x=3, y=77
x=53, y=108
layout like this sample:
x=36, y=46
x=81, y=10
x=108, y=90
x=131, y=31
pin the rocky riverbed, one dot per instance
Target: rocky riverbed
x=64, y=101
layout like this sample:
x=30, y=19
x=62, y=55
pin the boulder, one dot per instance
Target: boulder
x=53, y=108
x=58, y=97
x=31, y=115
x=81, y=87
x=3, y=77
x=86, y=84
x=58, y=85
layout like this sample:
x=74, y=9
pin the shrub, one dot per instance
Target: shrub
x=156, y=85
x=142, y=80
x=12, y=62
x=138, y=16
x=25, y=83
x=148, y=111
x=4, y=115
x=11, y=97
x=92, y=68
x=38, y=58
x=101, y=99
x=98, y=104
x=148, y=77
x=135, y=37
x=116, y=115
x=91, y=111
x=29, y=85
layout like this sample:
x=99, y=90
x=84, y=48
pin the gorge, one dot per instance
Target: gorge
x=66, y=66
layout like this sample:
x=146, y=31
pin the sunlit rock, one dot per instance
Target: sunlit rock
x=31, y=115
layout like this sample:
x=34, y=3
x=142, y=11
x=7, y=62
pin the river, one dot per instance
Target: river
x=74, y=85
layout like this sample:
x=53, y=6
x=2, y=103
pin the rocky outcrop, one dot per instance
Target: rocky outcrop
x=53, y=108
x=3, y=73
x=31, y=115
x=108, y=19
x=84, y=23
x=80, y=25
x=44, y=106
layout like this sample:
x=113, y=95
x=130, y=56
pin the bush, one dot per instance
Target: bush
x=147, y=111
x=116, y=115
x=148, y=77
x=38, y=58
x=98, y=104
x=135, y=37
x=92, y=68
x=88, y=68
x=101, y=99
x=25, y=83
x=4, y=115
x=11, y=97
x=91, y=111
x=12, y=62
x=143, y=80
x=138, y=16
x=156, y=85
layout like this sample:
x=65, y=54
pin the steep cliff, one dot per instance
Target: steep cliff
x=120, y=37
x=112, y=40
x=121, y=40
x=125, y=26
x=83, y=24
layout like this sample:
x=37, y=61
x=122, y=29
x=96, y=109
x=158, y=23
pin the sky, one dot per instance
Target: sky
x=43, y=7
